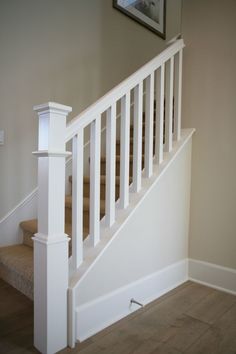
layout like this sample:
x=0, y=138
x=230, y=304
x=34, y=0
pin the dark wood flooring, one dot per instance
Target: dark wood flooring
x=191, y=319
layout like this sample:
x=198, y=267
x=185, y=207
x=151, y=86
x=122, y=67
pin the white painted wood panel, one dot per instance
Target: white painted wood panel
x=124, y=151
x=149, y=112
x=169, y=104
x=110, y=164
x=178, y=95
x=137, y=137
x=94, y=205
x=160, y=96
x=77, y=198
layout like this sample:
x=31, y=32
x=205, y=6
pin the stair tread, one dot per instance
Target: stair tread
x=102, y=179
x=103, y=158
x=32, y=226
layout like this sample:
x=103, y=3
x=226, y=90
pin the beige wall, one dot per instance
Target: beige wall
x=70, y=52
x=209, y=105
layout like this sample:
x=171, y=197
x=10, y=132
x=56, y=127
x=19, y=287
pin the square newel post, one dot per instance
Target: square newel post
x=51, y=242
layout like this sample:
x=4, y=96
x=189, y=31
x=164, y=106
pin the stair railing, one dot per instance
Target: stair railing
x=162, y=77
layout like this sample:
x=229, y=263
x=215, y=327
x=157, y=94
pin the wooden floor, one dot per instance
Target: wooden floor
x=191, y=319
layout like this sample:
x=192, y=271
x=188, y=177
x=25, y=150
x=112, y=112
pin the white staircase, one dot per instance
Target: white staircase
x=149, y=101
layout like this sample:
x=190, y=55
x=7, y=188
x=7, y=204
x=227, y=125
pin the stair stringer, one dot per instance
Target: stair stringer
x=143, y=255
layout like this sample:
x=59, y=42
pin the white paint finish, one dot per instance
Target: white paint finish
x=169, y=104
x=51, y=170
x=209, y=105
x=213, y=275
x=51, y=195
x=106, y=310
x=160, y=96
x=146, y=242
x=50, y=243
x=178, y=62
x=51, y=126
x=50, y=294
x=77, y=199
x=110, y=165
x=2, y=137
x=149, y=112
x=124, y=151
x=137, y=137
x=94, y=204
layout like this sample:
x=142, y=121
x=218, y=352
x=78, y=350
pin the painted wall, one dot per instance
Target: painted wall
x=209, y=105
x=68, y=52
x=150, y=241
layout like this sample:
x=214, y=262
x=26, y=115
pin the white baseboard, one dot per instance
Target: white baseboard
x=96, y=315
x=213, y=275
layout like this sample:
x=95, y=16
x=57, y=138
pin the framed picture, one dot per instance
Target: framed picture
x=150, y=13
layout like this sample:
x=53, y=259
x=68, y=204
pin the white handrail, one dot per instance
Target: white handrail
x=101, y=105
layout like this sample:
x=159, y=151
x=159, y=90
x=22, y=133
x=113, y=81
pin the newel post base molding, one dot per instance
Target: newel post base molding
x=51, y=242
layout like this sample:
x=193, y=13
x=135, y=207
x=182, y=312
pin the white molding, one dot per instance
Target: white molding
x=96, y=315
x=9, y=224
x=213, y=275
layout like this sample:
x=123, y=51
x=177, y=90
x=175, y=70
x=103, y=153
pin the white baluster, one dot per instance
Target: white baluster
x=77, y=198
x=148, y=159
x=110, y=164
x=94, y=206
x=124, y=150
x=178, y=95
x=137, y=137
x=160, y=87
x=169, y=104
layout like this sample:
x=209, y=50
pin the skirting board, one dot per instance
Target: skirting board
x=213, y=275
x=96, y=315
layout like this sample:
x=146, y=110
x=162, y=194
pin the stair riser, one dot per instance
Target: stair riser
x=103, y=168
x=102, y=191
x=143, y=130
x=27, y=238
x=22, y=284
x=68, y=217
x=131, y=148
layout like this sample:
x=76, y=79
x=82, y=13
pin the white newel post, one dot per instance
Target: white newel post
x=51, y=242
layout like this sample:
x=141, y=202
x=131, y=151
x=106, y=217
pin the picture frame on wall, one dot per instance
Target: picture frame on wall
x=150, y=13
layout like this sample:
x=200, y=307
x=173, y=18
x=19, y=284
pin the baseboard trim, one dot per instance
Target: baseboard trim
x=96, y=315
x=213, y=275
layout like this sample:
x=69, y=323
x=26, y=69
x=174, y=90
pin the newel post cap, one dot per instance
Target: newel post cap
x=52, y=107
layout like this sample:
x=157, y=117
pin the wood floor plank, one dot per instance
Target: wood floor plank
x=153, y=347
x=220, y=338
x=17, y=341
x=214, y=341
x=210, y=308
x=179, y=322
x=184, y=332
x=3, y=284
x=15, y=322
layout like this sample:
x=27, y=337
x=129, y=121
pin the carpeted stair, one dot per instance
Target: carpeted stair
x=16, y=262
